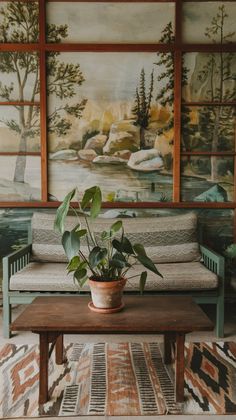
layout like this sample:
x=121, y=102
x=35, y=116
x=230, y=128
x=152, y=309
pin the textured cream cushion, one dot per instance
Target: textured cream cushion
x=177, y=276
x=166, y=239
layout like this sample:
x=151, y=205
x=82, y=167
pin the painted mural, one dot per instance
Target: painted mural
x=107, y=22
x=110, y=115
x=120, y=133
x=20, y=175
x=209, y=77
x=198, y=16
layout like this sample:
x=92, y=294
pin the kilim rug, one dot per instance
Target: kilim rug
x=118, y=379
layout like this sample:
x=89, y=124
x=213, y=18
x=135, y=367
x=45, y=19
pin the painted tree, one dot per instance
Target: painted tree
x=215, y=77
x=165, y=95
x=142, y=106
x=20, y=25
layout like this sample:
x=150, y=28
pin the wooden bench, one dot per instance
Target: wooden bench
x=189, y=269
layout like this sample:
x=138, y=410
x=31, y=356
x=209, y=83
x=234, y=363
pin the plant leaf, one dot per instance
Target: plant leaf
x=70, y=243
x=142, y=281
x=92, y=196
x=81, y=232
x=97, y=255
x=147, y=262
x=139, y=249
x=81, y=276
x=73, y=264
x=126, y=246
x=119, y=261
x=59, y=223
x=117, y=245
x=116, y=226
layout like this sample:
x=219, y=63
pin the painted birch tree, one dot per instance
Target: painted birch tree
x=20, y=25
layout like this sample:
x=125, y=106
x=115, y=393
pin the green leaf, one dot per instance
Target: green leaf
x=81, y=276
x=92, y=196
x=147, y=262
x=117, y=245
x=59, y=223
x=142, y=281
x=81, y=232
x=97, y=255
x=105, y=235
x=70, y=243
x=126, y=246
x=139, y=249
x=118, y=260
x=116, y=226
x=73, y=264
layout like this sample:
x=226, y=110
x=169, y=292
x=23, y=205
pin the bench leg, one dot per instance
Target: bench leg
x=6, y=316
x=220, y=318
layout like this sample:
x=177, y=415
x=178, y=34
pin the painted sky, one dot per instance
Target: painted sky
x=112, y=76
x=198, y=16
x=111, y=22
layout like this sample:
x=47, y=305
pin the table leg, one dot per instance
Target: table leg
x=179, y=367
x=59, y=350
x=167, y=348
x=43, y=367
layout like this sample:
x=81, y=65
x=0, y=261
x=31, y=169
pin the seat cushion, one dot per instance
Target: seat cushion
x=49, y=277
x=166, y=239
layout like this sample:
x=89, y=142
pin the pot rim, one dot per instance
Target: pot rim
x=108, y=284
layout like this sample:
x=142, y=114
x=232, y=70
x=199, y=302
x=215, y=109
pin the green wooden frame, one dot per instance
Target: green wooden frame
x=19, y=259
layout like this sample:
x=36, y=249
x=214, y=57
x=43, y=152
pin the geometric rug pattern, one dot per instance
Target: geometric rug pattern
x=118, y=379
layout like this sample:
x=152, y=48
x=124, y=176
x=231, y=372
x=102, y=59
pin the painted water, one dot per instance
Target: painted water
x=119, y=183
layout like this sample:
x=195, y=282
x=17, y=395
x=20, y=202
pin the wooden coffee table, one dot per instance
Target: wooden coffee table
x=52, y=317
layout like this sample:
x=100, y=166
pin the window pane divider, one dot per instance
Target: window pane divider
x=204, y=103
x=208, y=153
x=20, y=103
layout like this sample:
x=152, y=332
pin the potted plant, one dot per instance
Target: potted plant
x=108, y=256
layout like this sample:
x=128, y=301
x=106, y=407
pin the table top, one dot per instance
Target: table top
x=141, y=314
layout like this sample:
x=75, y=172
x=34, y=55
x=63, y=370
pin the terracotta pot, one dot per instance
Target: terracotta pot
x=107, y=295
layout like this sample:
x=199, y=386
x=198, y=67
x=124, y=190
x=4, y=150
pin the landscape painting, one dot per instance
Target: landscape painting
x=112, y=126
x=109, y=22
x=209, y=77
x=198, y=16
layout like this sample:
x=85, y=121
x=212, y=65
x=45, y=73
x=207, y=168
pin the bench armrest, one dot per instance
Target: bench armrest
x=213, y=261
x=15, y=262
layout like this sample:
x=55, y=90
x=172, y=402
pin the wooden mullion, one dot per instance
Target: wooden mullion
x=208, y=103
x=177, y=102
x=19, y=47
x=130, y=205
x=20, y=154
x=19, y=103
x=43, y=100
x=112, y=1
x=209, y=48
x=208, y=154
x=109, y=47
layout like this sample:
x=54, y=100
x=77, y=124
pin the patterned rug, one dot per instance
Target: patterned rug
x=118, y=379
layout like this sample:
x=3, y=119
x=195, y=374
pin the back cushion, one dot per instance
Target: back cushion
x=166, y=239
